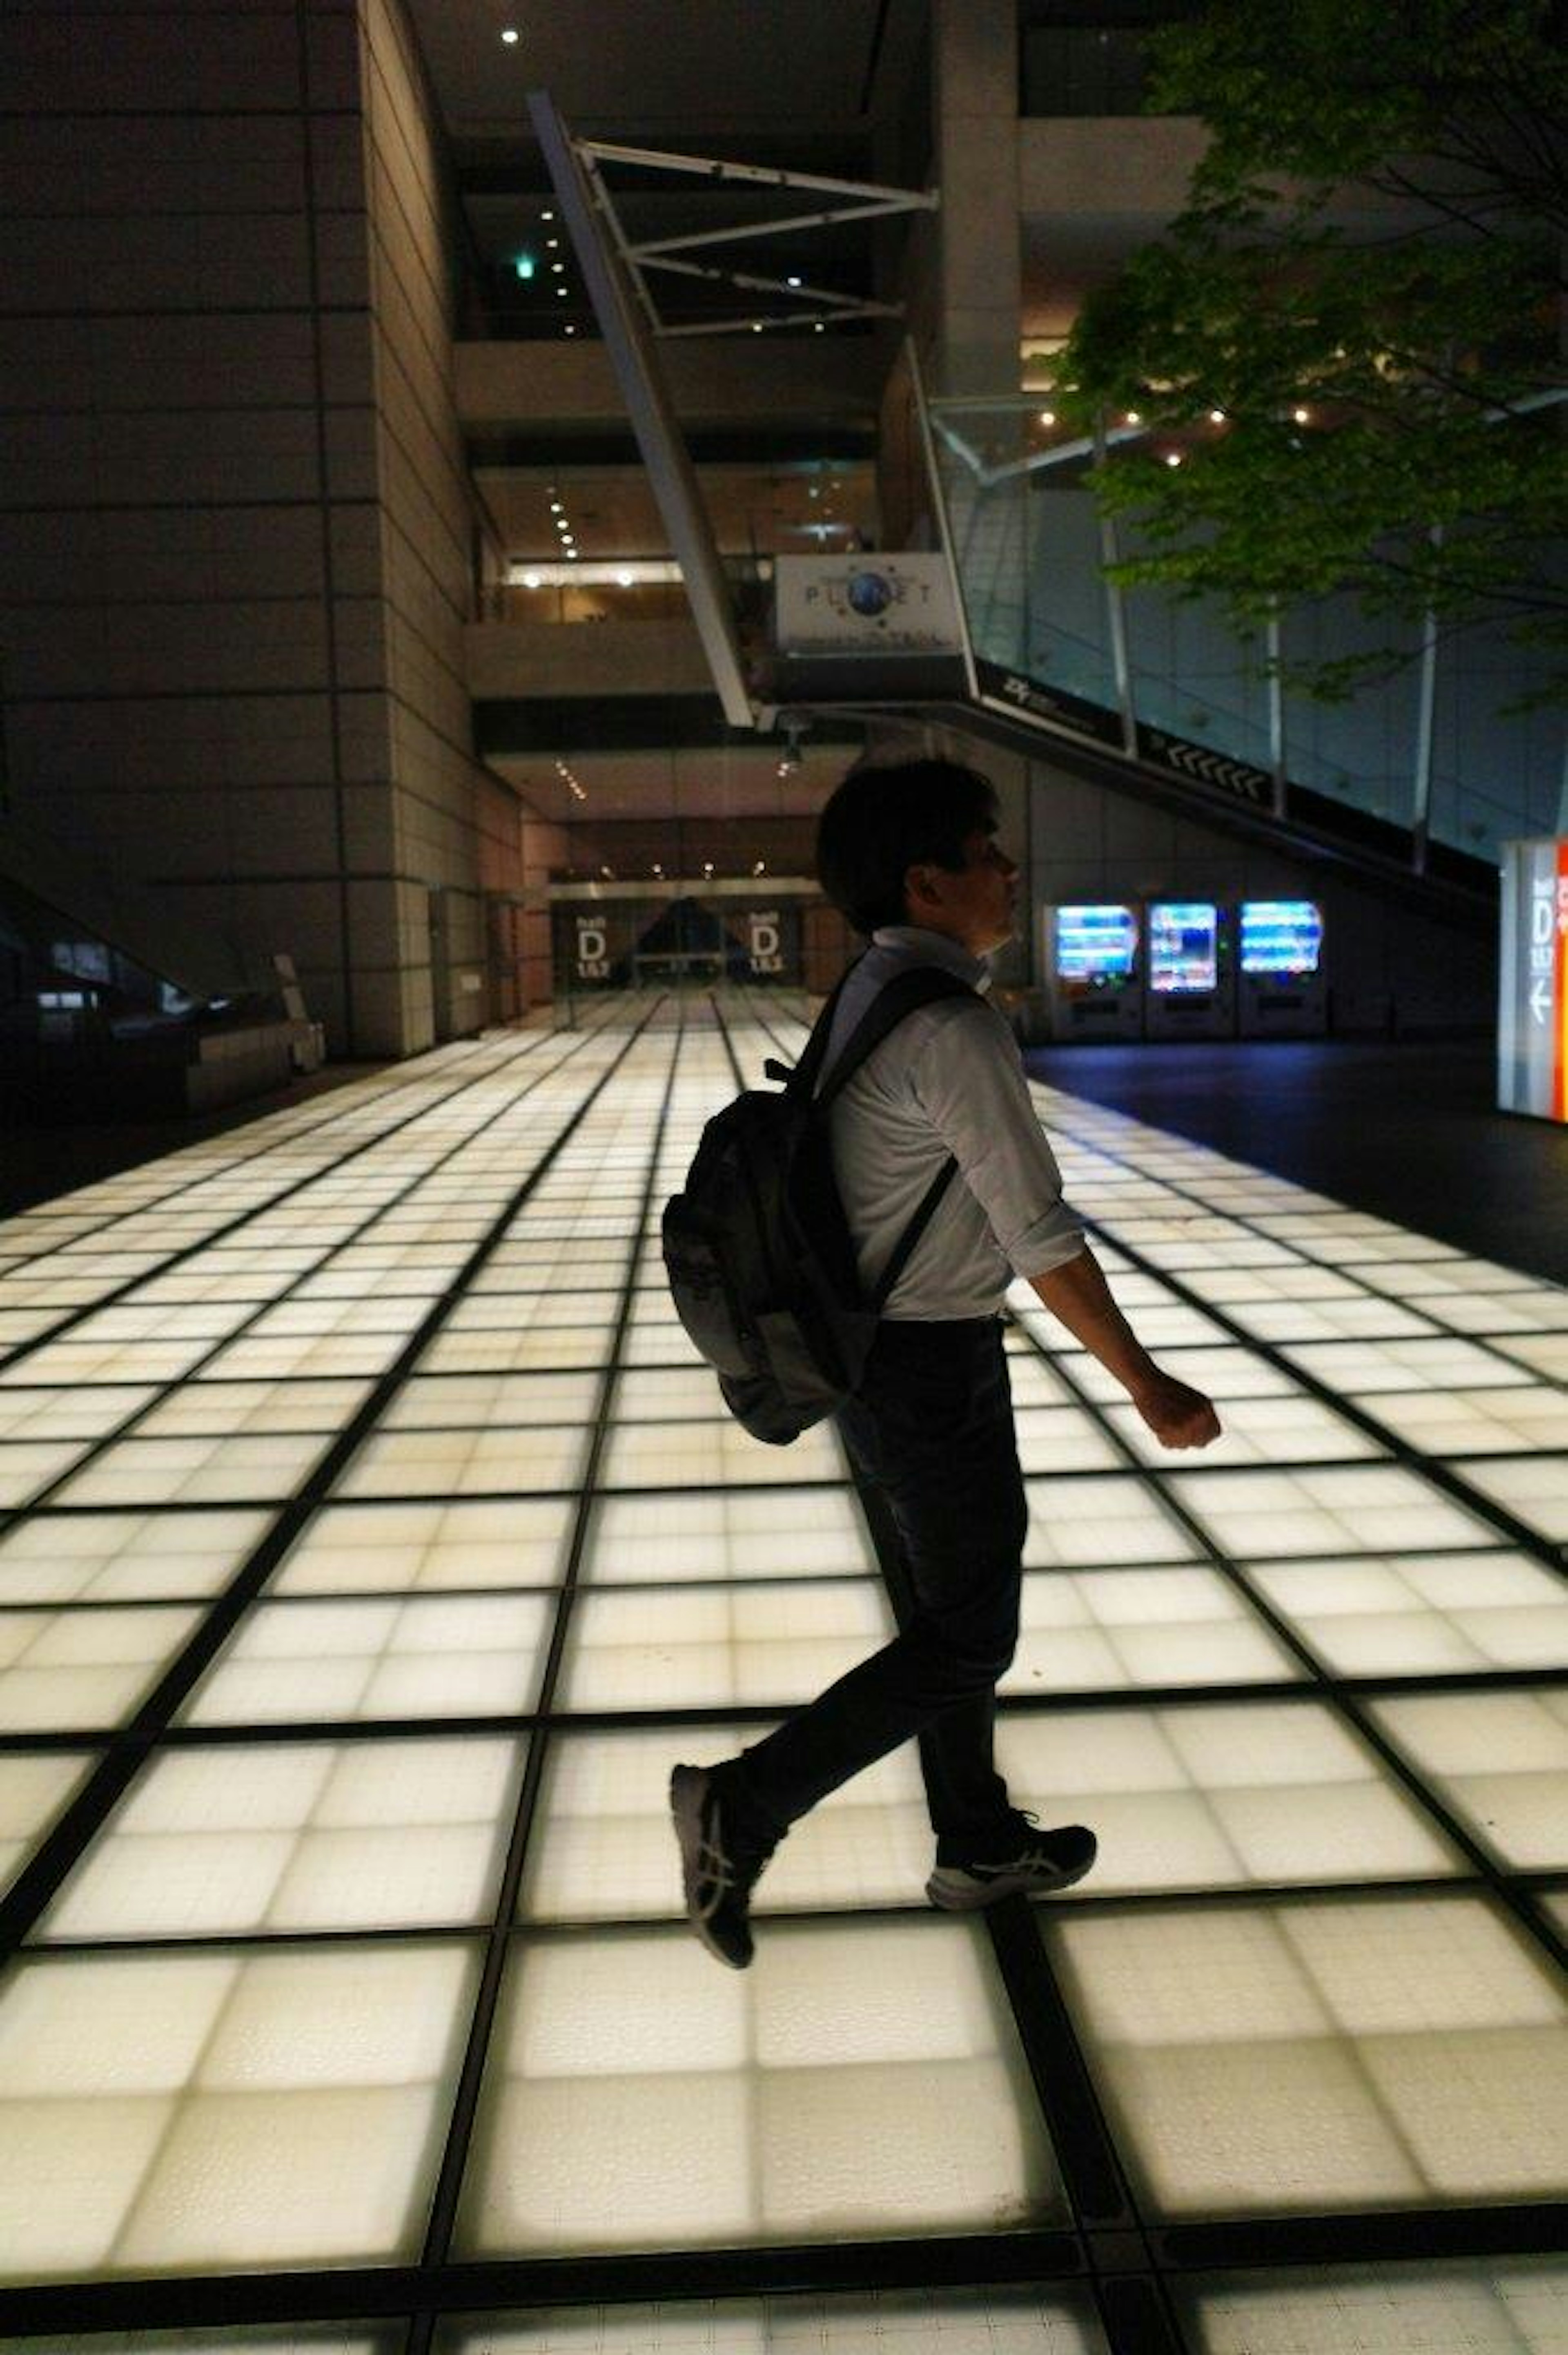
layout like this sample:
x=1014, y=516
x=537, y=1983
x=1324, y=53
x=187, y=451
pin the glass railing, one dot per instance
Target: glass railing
x=1445, y=749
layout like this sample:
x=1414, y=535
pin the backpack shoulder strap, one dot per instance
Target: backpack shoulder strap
x=922, y=986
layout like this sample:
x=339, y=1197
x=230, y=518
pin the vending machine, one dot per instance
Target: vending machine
x=1191, y=984
x=1092, y=969
x=1281, y=991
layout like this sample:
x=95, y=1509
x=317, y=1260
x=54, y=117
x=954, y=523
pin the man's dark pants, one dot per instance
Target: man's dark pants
x=932, y=1429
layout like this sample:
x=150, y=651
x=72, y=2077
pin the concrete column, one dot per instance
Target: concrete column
x=979, y=252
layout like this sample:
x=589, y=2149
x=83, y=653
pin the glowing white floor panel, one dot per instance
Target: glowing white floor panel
x=486, y=1559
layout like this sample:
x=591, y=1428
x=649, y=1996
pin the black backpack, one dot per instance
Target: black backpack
x=758, y=1250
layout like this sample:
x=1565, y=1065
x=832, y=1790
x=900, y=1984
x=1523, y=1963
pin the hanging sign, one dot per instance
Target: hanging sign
x=1532, y=1002
x=592, y=949
x=765, y=948
x=856, y=604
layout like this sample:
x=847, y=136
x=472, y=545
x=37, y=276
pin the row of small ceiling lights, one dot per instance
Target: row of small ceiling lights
x=1176, y=457
x=564, y=772
x=607, y=874
x=567, y=536
x=511, y=37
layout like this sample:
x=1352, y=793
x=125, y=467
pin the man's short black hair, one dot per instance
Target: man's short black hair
x=883, y=820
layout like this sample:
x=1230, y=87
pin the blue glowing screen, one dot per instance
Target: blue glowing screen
x=1095, y=944
x=1184, y=945
x=1280, y=936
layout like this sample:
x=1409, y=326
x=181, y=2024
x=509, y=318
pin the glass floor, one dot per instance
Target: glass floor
x=371, y=1544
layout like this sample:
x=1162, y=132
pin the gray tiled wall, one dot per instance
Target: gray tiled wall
x=234, y=568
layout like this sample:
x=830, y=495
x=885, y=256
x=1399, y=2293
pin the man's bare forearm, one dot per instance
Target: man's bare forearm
x=1078, y=1296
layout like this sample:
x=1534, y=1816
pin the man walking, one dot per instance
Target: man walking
x=908, y=855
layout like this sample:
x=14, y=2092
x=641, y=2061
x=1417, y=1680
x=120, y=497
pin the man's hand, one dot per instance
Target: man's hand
x=1178, y=1417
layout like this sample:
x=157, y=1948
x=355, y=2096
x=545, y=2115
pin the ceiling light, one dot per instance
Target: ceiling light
x=1216, y=416
x=657, y=869
x=1173, y=457
x=546, y=216
x=1133, y=417
x=571, y=556
x=791, y=282
x=530, y=580
x=555, y=507
x=551, y=242
x=757, y=327
x=560, y=290
x=569, y=329
x=760, y=867
x=625, y=579
x=557, y=265
x=1047, y=416
x=511, y=36
x=1301, y=415
x=819, y=326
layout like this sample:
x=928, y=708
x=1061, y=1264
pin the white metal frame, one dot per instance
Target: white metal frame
x=858, y=200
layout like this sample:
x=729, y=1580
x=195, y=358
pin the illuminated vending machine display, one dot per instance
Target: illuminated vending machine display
x=1092, y=962
x=1191, y=989
x=1281, y=992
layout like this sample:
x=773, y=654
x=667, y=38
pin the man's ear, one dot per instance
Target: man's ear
x=919, y=886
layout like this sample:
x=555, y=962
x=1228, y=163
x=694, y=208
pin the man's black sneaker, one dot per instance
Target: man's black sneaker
x=719, y=1869
x=1042, y=1862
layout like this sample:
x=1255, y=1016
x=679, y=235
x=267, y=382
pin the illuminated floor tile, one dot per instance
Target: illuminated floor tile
x=1452, y=1423
x=1073, y=1522
x=1543, y=1353
x=231, y=1409
x=1531, y=1310
x=34, y=1786
x=176, y=2112
x=1517, y=2308
x=276, y=1357
x=1220, y=1796
x=690, y=1454
x=53, y=1414
x=1407, y=1614
x=470, y=1656
x=1358, y=1316
x=603, y=1849
x=1108, y=1631
x=458, y=1462
x=710, y=1648
x=794, y=2102
x=1293, y=1430
x=1534, y=1489
x=1222, y=1374
x=1500, y=1759
x=1317, y=2055
x=365, y=1835
x=66, y=1669
x=63, y=1364
x=1361, y=1368
x=1062, y=1439
x=195, y=1471
x=489, y=1401
x=28, y=1467
x=553, y=1349
x=1381, y=1510
x=395, y=1546
x=666, y=1394
x=1045, y=2321
x=788, y=1533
